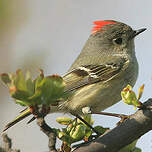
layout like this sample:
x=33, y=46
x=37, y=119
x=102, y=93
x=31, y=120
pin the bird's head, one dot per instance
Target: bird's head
x=113, y=36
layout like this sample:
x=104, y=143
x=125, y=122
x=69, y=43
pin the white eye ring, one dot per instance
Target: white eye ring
x=118, y=41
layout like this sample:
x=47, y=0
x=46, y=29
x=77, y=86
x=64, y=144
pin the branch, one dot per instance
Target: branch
x=7, y=144
x=124, y=134
x=49, y=132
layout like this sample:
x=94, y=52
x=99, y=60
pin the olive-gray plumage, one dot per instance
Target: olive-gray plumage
x=106, y=64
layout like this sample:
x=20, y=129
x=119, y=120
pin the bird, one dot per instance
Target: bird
x=106, y=64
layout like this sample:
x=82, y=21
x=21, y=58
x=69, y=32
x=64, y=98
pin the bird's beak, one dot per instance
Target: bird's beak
x=136, y=32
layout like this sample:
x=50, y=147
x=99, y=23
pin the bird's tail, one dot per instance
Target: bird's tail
x=23, y=115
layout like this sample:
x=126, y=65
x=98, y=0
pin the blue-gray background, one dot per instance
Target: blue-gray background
x=49, y=34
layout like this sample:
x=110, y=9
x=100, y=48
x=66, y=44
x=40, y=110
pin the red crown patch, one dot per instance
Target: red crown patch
x=100, y=24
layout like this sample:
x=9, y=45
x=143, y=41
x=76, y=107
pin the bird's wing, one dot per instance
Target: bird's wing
x=90, y=74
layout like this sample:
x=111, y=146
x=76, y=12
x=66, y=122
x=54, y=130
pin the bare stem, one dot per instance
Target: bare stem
x=49, y=132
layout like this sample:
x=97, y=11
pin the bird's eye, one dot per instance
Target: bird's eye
x=118, y=41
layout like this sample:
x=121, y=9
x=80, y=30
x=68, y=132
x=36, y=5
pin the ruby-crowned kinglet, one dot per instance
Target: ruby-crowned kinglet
x=106, y=64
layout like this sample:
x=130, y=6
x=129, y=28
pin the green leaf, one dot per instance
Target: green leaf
x=87, y=118
x=20, y=81
x=129, y=96
x=39, y=79
x=64, y=137
x=88, y=133
x=29, y=83
x=51, y=88
x=101, y=129
x=22, y=103
x=77, y=133
x=69, y=128
x=140, y=92
x=64, y=120
x=19, y=94
x=43, y=90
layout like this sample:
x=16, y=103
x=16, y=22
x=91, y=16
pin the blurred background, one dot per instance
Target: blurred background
x=50, y=34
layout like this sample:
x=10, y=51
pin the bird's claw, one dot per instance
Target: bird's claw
x=86, y=110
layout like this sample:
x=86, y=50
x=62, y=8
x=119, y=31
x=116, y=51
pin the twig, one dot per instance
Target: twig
x=8, y=144
x=49, y=132
x=110, y=114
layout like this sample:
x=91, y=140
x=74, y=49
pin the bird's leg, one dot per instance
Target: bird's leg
x=79, y=117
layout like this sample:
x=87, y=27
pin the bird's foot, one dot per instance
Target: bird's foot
x=86, y=110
